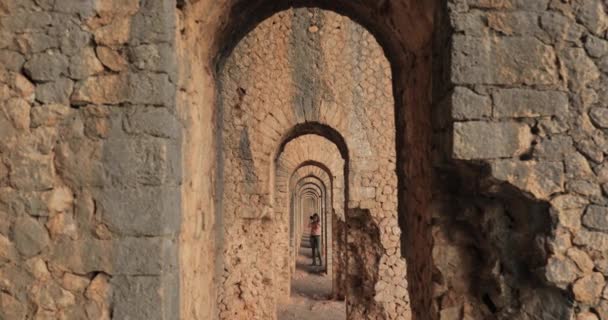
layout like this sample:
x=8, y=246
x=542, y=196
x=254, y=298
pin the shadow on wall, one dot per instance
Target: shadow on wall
x=491, y=245
x=364, y=253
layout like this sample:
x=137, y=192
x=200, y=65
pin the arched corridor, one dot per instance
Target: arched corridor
x=286, y=119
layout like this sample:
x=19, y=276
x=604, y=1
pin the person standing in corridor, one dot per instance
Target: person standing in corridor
x=315, y=238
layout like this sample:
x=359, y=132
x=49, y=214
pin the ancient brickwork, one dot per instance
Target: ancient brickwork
x=528, y=99
x=92, y=204
x=262, y=103
x=89, y=160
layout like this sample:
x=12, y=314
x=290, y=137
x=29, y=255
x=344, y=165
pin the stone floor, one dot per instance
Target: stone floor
x=310, y=292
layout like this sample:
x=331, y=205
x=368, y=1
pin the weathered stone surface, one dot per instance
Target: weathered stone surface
x=594, y=240
x=582, y=260
x=46, y=66
x=596, y=218
x=596, y=47
x=11, y=308
x=592, y=14
x=468, y=105
x=31, y=172
x=129, y=303
x=152, y=57
x=139, y=88
x=587, y=316
x=83, y=8
x=72, y=38
x=18, y=112
x=36, y=42
x=8, y=252
x=11, y=60
x=85, y=64
x=502, y=61
x=111, y=58
x=113, y=8
x=561, y=271
x=74, y=283
x=115, y=33
x=157, y=122
x=528, y=103
x=48, y=115
x=58, y=91
x=603, y=309
x=599, y=117
x=487, y=140
x=78, y=163
x=539, y=178
x=589, y=288
x=585, y=188
x=554, y=148
x=581, y=69
x=30, y=236
x=140, y=211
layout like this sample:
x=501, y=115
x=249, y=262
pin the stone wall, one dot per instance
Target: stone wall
x=94, y=143
x=524, y=96
x=90, y=168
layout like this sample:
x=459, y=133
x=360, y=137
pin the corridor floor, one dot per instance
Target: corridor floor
x=310, y=292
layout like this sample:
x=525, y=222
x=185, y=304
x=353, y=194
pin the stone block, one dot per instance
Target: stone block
x=11, y=60
x=153, y=23
x=46, y=66
x=111, y=58
x=581, y=70
x=144, y=210
x=72, y=39
x=57, y=91
x=138, y=88
x=153, y=121
x=599, y=116
x=592, y=14
x=592, y=239
x=554, y=148
x=48, y=115
x=133, y=161
x=589, y=288
x=151, y=57
x=79, y=162
x=145, y=297
x=517, y=103
x=83, y=8
x=468, y=105
x=596, y=218
x=35, y=42
x=11, y=308
x=85, y=64
x=114, y=34
x=540, y=178
x=502, y=61
x=123, y=256
x=488, y=140
x=561, y=271
x=113, y=8
x=30, y=236
x=31, y=172
x=560, y=28
x=596, y=47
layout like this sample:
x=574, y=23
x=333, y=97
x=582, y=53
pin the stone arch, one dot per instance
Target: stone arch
x=398, y=42
x=361, y=119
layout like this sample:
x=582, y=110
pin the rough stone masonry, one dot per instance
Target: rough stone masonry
x=141, y=149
